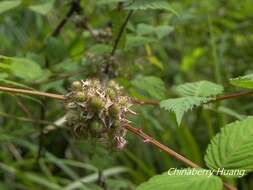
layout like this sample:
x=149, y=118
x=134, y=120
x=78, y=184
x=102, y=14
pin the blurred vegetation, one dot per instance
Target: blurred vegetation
x=162, y=47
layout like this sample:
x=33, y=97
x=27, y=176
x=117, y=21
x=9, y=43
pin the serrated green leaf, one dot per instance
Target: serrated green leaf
x=199, y=89
x=152, y=85
x=181, y=105
x=232, y=147
x=243, y=81
x=43, y=8
x=8, y=5
x=151, y=4
x=182, y=182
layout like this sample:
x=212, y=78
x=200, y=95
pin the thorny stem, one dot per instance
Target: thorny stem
x=31, y=92
x=148, y=139
x=232, y=96
x=135, y=101
x=216, y=99
x=170, y=152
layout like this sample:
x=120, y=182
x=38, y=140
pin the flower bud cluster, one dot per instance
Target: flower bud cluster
x=98, y=110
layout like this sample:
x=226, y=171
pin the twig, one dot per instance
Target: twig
x=135, y=101
x=16, y=154
x=117, y=40
x=162, y=147
x=147, y=139
x=41, y=134
x=31, y=92
x=22, y=107
x=232, y=96
x=121, y=32
x=86, y=26
x=73, y=8
x=216, y=99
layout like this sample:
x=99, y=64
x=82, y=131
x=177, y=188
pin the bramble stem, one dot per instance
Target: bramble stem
x=148, y=139
x=170, y=152
x=232, y=96
x=218, y=98
x=31, y=92
x=135, y=101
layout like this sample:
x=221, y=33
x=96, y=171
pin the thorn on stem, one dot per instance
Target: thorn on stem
x=146, y=140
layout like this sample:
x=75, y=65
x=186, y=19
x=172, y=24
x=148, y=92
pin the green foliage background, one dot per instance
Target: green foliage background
x=166, y=43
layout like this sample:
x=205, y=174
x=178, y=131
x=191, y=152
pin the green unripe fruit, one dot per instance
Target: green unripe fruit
x=114, y=110
x=117, y=124
x=76, y=85
x=96, y=103
x=80, y=96
x=123, y=101
x=95, y=127
x=111, y=93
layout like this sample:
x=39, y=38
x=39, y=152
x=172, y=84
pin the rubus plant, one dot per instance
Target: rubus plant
x=98, y=108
